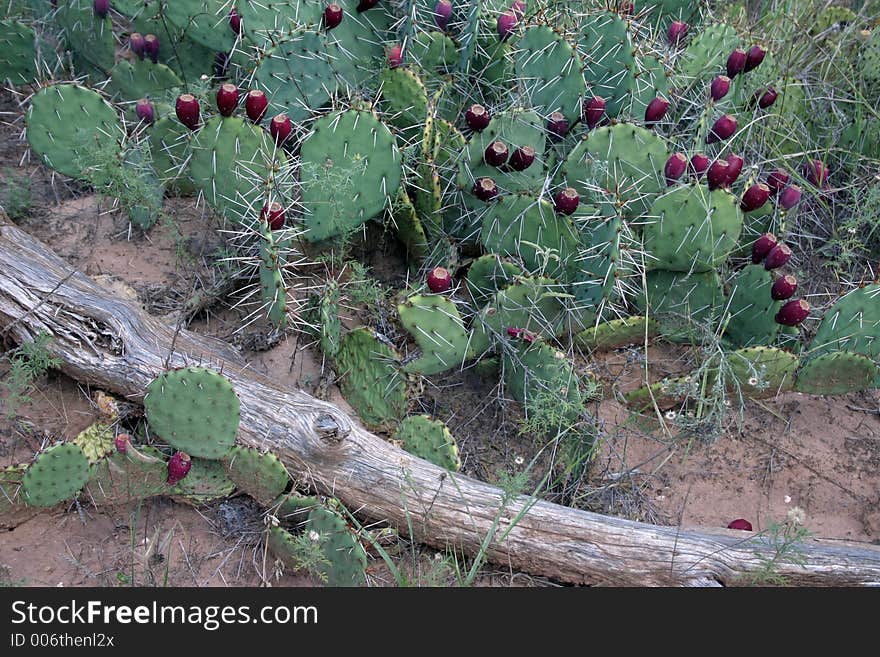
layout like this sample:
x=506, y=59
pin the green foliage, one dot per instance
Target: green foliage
x=29, y=362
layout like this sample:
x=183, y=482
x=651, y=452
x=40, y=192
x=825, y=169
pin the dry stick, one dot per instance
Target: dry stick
x=111, y=343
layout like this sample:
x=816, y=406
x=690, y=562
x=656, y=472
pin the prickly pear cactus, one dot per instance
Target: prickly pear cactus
x=19, y=53
x=437, y=327
x=430, y=440
x=617, y=333
x=550, y=72
x=751, y=308
x=260, y=475
x=837, y=373
x=763, y=371
x=272, y=290
x=56, y=475
x=139, y=473
x=195, y=410
x=346, y=556
x=537, y=368
x=206, y=481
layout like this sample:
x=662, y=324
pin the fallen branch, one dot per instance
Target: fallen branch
x=112, y=344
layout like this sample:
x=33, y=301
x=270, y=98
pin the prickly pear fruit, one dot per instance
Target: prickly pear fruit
x=522, y=158
x=485, y=189
x=496, y=154
x=816, y=172
x=557, y=125
x=518, y=7
x=151, y=47
x=719, y=87
x=741, y=524
x=736, y=62
x=754, y=197
x=754, y=58
x=273, y=214
x=280, y=128
x=677, y=31
x=144, y=111
x=592, y=111
x=137, y=45
x=256, y=104
x=121, y=442
x=784, y=287
x=442, y=14
x=395, y=56
x=102, y=8
x=716, y=176
x=699, y=165
x=477, y=117
x=363, y=5
x=777, y=256
x=506, y=24
x=332, y=16
x=227, y=99
x=777, y=180
x=656, y=110
x=178, y=467
x=439, y=280
x=765, y=97
x=793, y=313
x=722, y=129
x=187, y=109
x=762, y=246
x=566, y=201
x=790, y=197
x=734, y=168
x=234, y=21
x=675, y=166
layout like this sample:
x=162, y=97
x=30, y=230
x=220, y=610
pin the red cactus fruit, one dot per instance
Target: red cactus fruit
x=395, y=56
x=765, y=97
x=506, y=24
x=736, y=62
x=273, y=214
x=137, y=45
x=719, y=87
x=485, y=189
x=675, y=167
x=144, y=111
x=522, y=158
x=234, y=21
x=227, y=99
x=102, y=8
x=716, y=176
x=777, y=257
x=566, y=201
x=816, y=172
x=734, y=168
x=793, y=313
x=762, y=246
x=784, y=287
x=187, y=109
x=740, y=523
x=151, y=47
x=121, y=443
x=656, y=110
x=754, y=58
x=777, y=180
x=722, y=129
x=332, y=16
x=592, y=111
x=178, y=467
x=557, y=125
x=439, y=280
x=256, y=104
x=790, y=197
x=677, y=31
x=699, y=165
x=442, y=14
x=280, y=128
x=477, y=117
x=513, y=332
x=496, y=154
x=754, y=197
x=363, y=5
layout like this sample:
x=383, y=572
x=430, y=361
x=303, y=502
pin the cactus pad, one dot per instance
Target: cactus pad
x=262, y=476
x=272, y=290
x=429, y=439
x=549, y=71
x=56, y=475
x=142, y=79
x=680, y=302
x=18, y=53
x=347, y=558
x=195, y=410
x=488, y=274
x=617, y=333
x=122, y=478
x=837, y=373
x=763, y=371
x=538, y=368
x=608, y=56
x=435, y=324
x=751, y=308
x=206, y=481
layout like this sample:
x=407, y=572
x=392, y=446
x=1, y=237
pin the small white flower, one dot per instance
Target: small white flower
x=787, y=499
x=851, y=231
x=753, y=381
x=670, y=415
x=727, y=402
x=314, y=536
x=438, y=556
x=519, y=460
x=796, y=515
x=204, y=77
x=272, y=520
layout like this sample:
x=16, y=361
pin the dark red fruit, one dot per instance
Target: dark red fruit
x=137, y=45
x=187, y=108
x=227, y=99
x=522, y=158
x=762, y=246
x=144, y=111
x=439, y=280
x=514, y=332
x=102, y=8
x=719, y=87
x=496, y=154
x=675, y=166
x=485, y=189
x=178, y=467
x=790, y=197
x=754, y=58
x=566, y=201
x=755, y=197
x=280, y=128
x=816, y=172
x=677, y=31
x=234, y=21
x=777, y=257
x=722, y=129
x=121, y=443
x=332, y=15
x=656, y=110
x=736, y=62
x=151, y=47
x=765, y=97
x=784, y=287
x=716, y=176
x=256, y=104
x=793, y=313
x=741, y=524
x=442, y=14
x=506, y=25
x=777, y=180
x=592, y=111
x=699, y=165
x=734, y=168
x=273, y=214
x=477, y=117
x=557, y=125
x=395, y=56
x=363, y=5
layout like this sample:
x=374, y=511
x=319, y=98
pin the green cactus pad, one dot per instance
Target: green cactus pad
x=763, y=371
x=272, y=291
x=692, y=229
x=262, y=476
x=668, y=393
x=490, y=273
x=205, y=21
x=293, y=507
x=626, y=160
x=96, y=442
x=56, y=475
x=706, y=54
x=680, y=302
x=853, y=325
x=837, y=373
x=169, y=146
x=67, y=123
x=595, y=272
x=89, y=38
x=515, y=128
x=536, y=369
x=195, y=410
x=122, y=478
x=429, y=439
x=617, y=333
x=142, y=79
x=371, y=380
x=608, y=56
x=409, y=228
x=651, y=81
x=323, y=315
x=231, y=162
x=435, y=324
x=18, y=52
x=348, y=561
x=351, y=169
x=549, y=71
x=432, y=51
x=271, y=19
x=751, y=309
x=526, y=227
x=206, y=481
x=405, y=101
x=869, y=62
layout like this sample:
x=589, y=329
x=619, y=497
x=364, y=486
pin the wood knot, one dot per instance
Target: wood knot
x=328, y=428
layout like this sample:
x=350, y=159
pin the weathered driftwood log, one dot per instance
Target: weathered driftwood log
x=112, y=344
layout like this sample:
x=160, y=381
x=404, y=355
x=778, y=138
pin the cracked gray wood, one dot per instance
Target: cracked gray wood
x=112, y=344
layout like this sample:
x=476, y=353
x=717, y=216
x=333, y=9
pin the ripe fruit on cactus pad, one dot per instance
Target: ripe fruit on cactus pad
x=442, y=14
x=816, y=172
x=557, y=125
x=566, y=201
x=783, y=288
x=762, y=246
x=793, y=313
x=675, y=166
x=187, y=109
x=395, y=56
x=656, y=110
x=234, y=21
x=719, y=87
x=754, y=58
x=777, y=257
x=736, y=62
x=717, y=174
x=677, y=31
x=477, y=117
x=777, y=180
x=144, y=111
x=363, y=5
x=227, y=99
x=506, y=25
x=178, y=467
x=593, y=110
x=439, y=280
x=256, y=104
x=102, y=8
x=485, y=189
x=280, y=128
x=151, y=47
x=740, y=523
x=722, y=129
x=496, y=153
x=765, y=97
x=754, y=197
x=522, y=158
x=734, y=168
x=699, y=165
x=332, y=16
x=273, y=214
x=790, y=197
x=137, y=44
